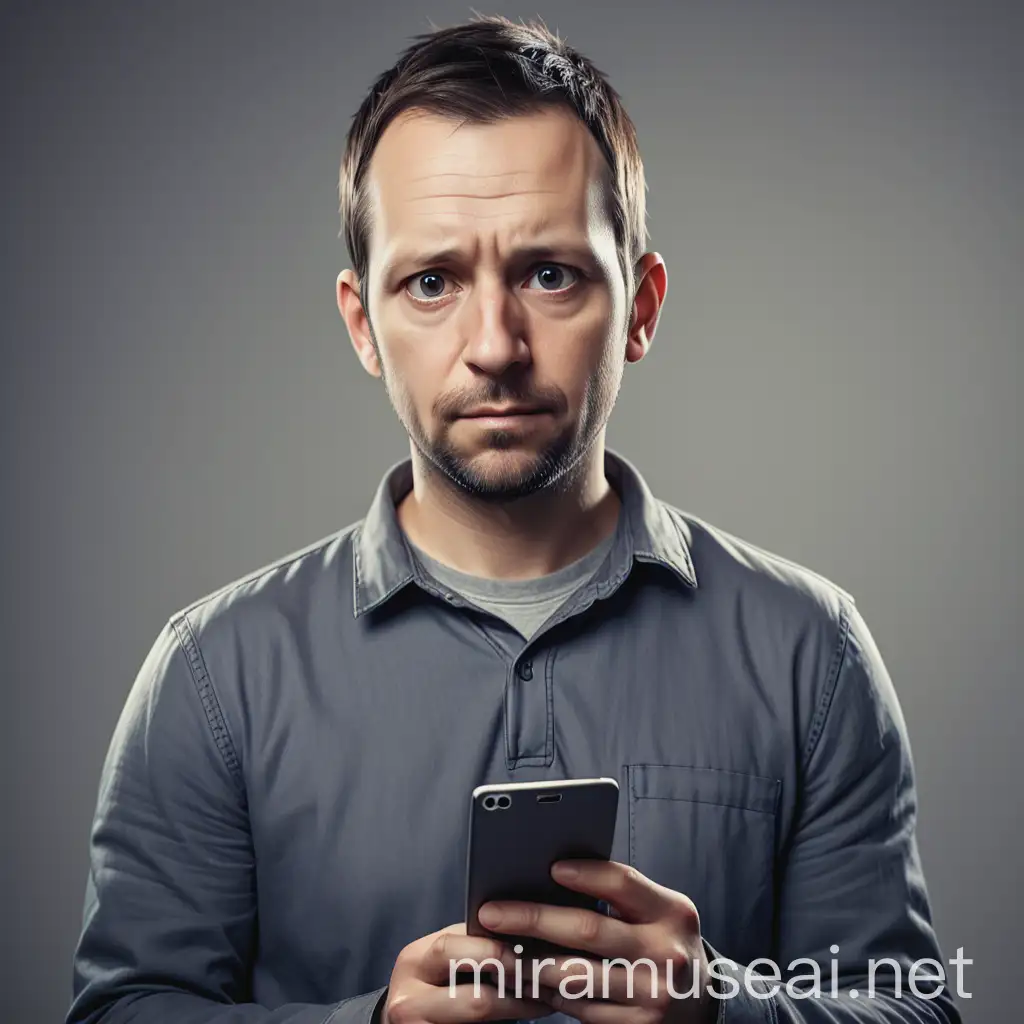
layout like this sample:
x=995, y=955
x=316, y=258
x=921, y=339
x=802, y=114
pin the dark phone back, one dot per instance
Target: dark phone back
x=511, y=849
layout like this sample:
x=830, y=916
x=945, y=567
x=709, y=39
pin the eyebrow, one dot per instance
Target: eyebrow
x=405, y=261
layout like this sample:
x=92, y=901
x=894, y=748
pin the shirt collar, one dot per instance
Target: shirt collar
x=649, y=531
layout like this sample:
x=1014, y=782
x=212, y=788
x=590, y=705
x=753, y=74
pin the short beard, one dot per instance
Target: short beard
x=551, y=468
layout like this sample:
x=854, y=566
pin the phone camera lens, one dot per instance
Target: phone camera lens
x=504, y=800
x=489, y=803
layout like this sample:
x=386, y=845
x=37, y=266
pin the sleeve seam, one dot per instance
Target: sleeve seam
x=831, y=679
x=208, y=697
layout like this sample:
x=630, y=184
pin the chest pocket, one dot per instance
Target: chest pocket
x=711, y=835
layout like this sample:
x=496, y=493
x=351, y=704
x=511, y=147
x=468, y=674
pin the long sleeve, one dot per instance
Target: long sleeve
x=852, y=875
x=169, y=922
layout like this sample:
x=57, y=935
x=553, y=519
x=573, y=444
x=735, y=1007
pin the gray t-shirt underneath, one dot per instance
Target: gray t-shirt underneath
x=523, y=604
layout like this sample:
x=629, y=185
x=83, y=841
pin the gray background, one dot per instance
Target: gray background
x=837, y=189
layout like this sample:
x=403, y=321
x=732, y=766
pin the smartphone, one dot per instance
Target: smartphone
x=518, y=830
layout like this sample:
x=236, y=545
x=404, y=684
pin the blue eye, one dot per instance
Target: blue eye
x=427, y=286
x=554, y=277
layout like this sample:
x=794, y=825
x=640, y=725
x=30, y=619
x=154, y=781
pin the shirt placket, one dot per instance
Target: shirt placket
x=529, y=724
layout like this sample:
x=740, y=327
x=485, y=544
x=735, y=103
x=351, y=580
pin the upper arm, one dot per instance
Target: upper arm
x=852, y=877
x=170, y=894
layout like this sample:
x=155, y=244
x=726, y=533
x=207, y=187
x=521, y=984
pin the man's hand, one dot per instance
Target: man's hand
x=653, y=923
x=420, y=989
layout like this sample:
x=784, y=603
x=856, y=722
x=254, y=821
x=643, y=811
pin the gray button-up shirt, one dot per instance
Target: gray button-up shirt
x=285, y=800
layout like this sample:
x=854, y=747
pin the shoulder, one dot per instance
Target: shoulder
x=786, y=623
x=278, y=592
x=728, y=564
x=797, y=626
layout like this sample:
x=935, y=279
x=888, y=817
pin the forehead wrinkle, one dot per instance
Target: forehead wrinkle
x=551, y=178
x=493, y=195
x=470, y=174
x=447, y=231
x=524, y=213
x=530, y=227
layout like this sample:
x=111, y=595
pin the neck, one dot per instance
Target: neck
x=520, y=539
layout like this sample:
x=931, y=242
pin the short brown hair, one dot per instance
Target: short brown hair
x=482, y=71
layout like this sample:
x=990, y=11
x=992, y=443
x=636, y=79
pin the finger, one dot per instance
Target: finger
x=636, y=984
x=635, y=896
x=568, y=927
x=452, y=950
x=617, y=983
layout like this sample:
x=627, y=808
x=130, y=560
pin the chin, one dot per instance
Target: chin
x=496, y=465
x=499, y=473
x=500, y=458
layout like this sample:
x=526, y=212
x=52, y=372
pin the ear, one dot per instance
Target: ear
x=350, y=306
x=652, y=284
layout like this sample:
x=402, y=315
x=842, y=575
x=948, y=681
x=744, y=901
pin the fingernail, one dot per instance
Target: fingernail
x=563, y=869
x=489, y=915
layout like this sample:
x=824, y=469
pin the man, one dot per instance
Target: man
x=282, y=818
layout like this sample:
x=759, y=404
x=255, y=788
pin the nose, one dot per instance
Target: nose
x=495, y=330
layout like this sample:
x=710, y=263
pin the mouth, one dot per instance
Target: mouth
x=505, y=416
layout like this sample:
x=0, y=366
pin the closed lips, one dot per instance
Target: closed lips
x=513, y=411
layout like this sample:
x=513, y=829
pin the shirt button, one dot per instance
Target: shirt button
x=526, y=670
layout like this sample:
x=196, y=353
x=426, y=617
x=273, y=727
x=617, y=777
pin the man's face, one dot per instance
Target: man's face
x=497, y=303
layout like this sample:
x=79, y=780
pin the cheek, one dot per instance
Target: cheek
x=417, y=364
x=579, y=354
